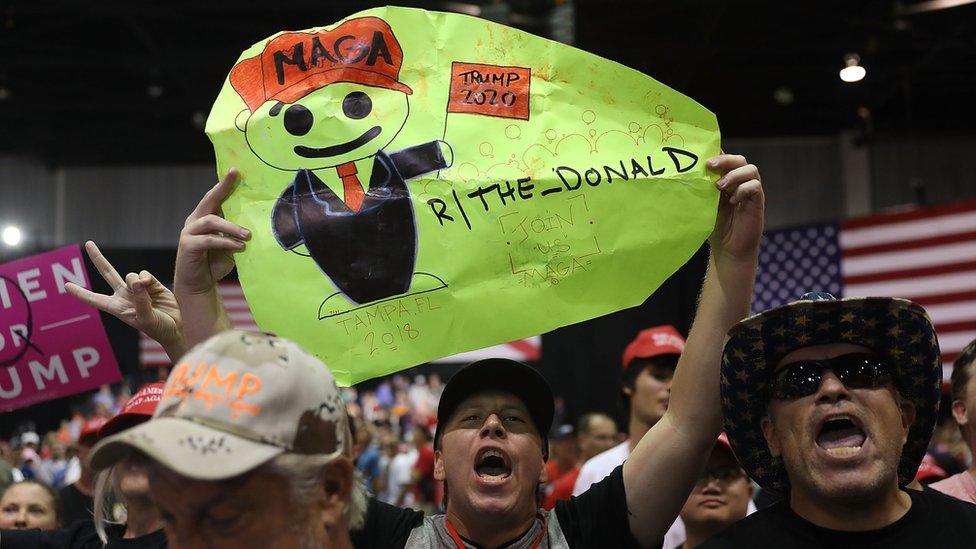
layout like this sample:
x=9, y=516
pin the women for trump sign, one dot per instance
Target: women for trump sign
x=51, y=345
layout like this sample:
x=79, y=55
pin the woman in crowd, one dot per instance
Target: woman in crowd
x=29, y=504
x=125, y=517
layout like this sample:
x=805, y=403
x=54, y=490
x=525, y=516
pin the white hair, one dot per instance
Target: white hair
x=304, y=474
x=105, y=497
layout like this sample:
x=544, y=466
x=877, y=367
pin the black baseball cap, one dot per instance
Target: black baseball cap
x=499, y=374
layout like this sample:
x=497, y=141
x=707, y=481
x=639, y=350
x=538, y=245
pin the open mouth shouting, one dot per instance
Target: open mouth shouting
x=492, y=466
x=841, y=435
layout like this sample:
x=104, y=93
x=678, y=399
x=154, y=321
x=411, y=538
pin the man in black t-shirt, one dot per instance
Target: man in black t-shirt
x=490, y=445
x=832, y=403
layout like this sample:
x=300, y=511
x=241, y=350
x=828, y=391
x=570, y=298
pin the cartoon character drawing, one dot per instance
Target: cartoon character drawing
x=325, y=105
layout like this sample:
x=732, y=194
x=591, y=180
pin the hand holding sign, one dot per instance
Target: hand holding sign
x=205, y=256
x=139, y=300
x=208, y=241
x=739, y=224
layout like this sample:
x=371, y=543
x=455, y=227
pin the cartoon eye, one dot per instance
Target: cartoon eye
x=357, y=105
x=298, y=120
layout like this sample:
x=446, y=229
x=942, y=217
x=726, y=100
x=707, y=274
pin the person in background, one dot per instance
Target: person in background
x=963, y=485
x=388, y=451
x=563, y=453
x=424, y=485
x=648, y=366
x=645, y=388
x=56, y=461
x=436, y=389
x=596, y=433
x=123, y=516
x=28, y=462
x=421, y=399
x=31, y=440
x=7, y=469
x=400, y=491
x=28, y=504
x=75, y=500
x=720, y=498
x=128, y=481
x=30, y=465
x=368, y=460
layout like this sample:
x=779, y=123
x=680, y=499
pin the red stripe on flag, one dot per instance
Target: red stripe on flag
x=902, y=245
x=939, y=299
x=909, y=215
x=530, y=351
x=964, y=326
x=882, y=276
x=151, y=353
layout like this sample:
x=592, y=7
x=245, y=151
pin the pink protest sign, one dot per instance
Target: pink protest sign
x=51, y=345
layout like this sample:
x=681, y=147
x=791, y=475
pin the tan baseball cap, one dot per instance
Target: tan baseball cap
x=233, y=403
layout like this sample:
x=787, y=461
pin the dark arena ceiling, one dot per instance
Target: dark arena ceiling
x=112, y=82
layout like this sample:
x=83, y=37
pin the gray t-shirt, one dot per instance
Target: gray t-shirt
x=597, y=518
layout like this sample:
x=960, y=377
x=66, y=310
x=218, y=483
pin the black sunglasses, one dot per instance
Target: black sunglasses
x=854, y=370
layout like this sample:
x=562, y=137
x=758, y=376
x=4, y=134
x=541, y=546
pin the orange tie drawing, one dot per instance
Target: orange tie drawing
x=352, y=189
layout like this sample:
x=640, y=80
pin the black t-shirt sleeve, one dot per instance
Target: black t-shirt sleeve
x=598, y=517
x=386, y=526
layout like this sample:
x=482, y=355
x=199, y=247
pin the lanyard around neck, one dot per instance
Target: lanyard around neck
x=535, y=543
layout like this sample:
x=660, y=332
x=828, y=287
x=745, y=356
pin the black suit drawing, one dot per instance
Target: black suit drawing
x=369, y=254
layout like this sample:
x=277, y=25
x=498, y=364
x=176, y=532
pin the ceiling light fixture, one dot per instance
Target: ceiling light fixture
x=11, y=236
x=852, y=71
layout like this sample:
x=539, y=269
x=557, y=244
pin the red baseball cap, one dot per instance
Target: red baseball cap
x=89, y=430
x=136, y=410
x=659, y=340
x=723, y=440
x=929, y=468
x=293, y=64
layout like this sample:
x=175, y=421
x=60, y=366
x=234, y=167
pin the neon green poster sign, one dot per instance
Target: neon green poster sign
x=421, y=184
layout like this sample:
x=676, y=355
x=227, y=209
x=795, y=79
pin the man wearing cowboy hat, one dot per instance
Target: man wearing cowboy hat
x=832, y=403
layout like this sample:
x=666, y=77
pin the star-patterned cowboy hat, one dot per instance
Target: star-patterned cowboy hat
x=898, y=330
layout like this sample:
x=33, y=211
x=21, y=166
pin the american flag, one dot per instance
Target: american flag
x=926, y=254
x=151, y=354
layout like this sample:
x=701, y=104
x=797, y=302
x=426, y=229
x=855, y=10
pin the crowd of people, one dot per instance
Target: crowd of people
x=806, y=425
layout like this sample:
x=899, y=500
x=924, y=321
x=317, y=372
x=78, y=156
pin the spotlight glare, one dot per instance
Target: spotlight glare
x=11, y=236
x=853, y=71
